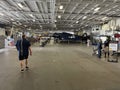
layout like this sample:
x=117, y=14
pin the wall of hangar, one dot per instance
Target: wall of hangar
x=2, y=38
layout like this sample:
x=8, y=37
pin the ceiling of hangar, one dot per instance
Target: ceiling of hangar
x=47, y=13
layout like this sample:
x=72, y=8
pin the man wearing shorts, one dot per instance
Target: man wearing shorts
x=23, y=47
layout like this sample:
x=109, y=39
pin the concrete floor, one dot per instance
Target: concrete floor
x=59, y=67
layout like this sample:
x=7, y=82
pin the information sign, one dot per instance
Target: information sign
x=113, y=47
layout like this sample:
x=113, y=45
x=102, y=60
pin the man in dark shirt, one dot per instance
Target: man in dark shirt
x=23, y=47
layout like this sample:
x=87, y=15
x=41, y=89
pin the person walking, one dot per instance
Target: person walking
x=24, y=49
x=99, y=48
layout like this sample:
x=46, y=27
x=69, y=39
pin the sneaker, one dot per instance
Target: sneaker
x=22, y=70
x=27, y=67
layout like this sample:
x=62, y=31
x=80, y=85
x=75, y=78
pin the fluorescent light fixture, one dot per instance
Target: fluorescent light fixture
x=77, y=21
x=1, y=14
x=61, y=7
x=59, y=16
x=20, y=5
x=33, y=20
x=12, y=19
x=31, y=15
x=84, y=17
x=97, y=9
x=55, y=20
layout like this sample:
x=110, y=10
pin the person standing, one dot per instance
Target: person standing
x=88, y=42
x=23, y=47
x=106, y=47
x=99, y=48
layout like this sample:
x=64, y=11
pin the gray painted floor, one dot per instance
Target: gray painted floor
x=59, y=67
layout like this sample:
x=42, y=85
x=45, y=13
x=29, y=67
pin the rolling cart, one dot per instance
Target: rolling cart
x=114, y=52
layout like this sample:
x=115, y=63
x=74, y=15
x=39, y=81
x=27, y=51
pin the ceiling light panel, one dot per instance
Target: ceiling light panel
x=59, y=16
x=20, y=5
x=84, y=17
x=97, y=9
x=61, y=7
x=77, y=21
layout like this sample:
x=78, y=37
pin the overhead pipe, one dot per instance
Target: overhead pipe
x=41, y=11
x=40, y=15
x=52, y=7
x=45, y=10
x=72, y=10
x=29, y=9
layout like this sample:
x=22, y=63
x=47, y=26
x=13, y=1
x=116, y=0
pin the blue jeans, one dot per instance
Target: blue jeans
x=99, y=53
